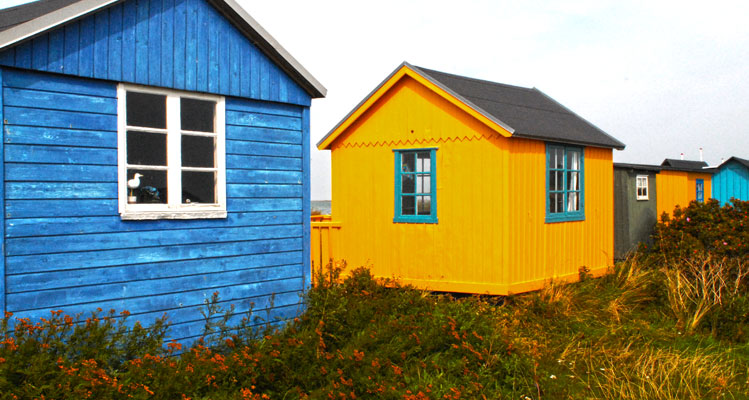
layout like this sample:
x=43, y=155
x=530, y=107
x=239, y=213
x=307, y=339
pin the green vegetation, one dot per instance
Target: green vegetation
x=668, y=323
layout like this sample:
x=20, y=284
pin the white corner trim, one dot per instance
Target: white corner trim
x=49, y=21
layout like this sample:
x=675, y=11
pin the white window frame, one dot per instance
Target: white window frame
x=174, y=208
x=646, y=196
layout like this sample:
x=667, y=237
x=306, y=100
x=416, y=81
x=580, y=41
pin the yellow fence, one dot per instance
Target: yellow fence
x=325, y=240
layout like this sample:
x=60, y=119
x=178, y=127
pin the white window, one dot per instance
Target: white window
x=642, y=187
x=171, y=154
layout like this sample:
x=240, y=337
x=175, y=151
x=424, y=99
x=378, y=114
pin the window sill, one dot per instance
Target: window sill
x=151, y=215
x=643, y=199
x=550, y=219
x=415, y=220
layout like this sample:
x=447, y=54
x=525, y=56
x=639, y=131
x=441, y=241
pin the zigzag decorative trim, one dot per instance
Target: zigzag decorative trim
x=420, y=142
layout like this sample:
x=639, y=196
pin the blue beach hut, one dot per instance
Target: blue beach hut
x=731, y=180
x=154, y=152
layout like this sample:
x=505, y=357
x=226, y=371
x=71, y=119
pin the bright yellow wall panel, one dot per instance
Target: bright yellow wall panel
x=491, y=234
x=463, y=246
x=541, y=250
x=679, y=188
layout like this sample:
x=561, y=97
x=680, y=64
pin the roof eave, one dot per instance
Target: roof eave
x=386, y=84
x=618, y=146
x=48, y=21
x=229, y=8
x=270, y=46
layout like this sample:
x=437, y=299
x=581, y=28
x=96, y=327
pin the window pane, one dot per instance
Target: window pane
x=198, y=187
x=146, y=148
x=198, y=151
x=423, y=183
x=408, y=205
x=407, y=183
x=573, y=203
x=573, y=181
x=408, y=162
x=560, y=180
x=553, y=203
x=197, y=115
x=146, y=110
x=424, y=205
x=573, y=159
x=423, y=162
x=552, y=180
x=151, y=186
x=558, y=158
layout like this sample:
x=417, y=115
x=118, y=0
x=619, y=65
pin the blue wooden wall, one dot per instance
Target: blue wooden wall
x=731, y=180
x=67, y=248
x=180, y=44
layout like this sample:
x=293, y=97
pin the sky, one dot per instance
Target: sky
x=664, y=77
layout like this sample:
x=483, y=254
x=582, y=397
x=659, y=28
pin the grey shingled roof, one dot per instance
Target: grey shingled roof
x=683, y=165
x=641, y=167
x=528, y=111
x=741, y=161
x=13, y=16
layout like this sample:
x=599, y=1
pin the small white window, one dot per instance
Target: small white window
x=642, y=187
x=171, y=153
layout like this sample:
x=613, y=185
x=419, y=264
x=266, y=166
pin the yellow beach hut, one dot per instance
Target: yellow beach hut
x=457, y=184
x=680, y=182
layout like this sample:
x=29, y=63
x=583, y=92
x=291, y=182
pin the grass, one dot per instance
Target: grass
x=635, y=333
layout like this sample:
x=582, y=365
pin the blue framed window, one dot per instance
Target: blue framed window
x=416, y=186
x=700, y=187
x=565, y=183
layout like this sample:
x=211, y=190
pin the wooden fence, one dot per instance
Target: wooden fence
x=325, y=240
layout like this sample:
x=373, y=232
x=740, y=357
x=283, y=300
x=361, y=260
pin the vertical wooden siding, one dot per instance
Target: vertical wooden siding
x=539, y=250
x=179, y=44
x=678, y=188
x=67, y=248
x=491, y=235
x=325, y=241
x=731, y=181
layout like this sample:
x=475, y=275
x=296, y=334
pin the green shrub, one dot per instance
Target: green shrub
x=704, y=228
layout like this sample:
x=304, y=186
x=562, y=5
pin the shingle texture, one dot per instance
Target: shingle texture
x=13, y=16
x=530, y=112
x=684, y=165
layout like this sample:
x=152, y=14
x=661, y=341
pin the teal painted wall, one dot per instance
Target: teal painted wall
x=731, y=181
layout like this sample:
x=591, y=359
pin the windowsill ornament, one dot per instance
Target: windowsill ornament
x=133, y=184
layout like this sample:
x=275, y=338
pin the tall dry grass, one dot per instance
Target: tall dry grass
x=632, y=372
x=699, y=285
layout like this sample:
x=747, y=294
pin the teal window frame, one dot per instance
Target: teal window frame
x=564, y=216
x=399, y=173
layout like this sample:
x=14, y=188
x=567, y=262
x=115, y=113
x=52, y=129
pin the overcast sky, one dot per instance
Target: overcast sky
x=664, y=77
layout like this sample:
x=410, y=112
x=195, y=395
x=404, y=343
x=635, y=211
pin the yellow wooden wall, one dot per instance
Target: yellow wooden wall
x=541, y=250
x=679, y=188
x=491, y=236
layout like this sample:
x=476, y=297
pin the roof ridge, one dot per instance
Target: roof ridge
x=478, y=80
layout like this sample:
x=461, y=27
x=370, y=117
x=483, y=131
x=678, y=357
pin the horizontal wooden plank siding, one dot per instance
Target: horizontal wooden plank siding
x=179, y=44
x=67, y=248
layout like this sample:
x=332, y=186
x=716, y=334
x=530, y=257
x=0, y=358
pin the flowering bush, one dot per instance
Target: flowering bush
x=704, y=228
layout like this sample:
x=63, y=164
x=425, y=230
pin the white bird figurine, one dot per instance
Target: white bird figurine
x=133, y=184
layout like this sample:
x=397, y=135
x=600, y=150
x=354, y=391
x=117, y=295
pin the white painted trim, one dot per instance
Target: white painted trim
x=81, y=8
x=637, y=187
x=276, y=46
x=174, y=209
x=51, y=20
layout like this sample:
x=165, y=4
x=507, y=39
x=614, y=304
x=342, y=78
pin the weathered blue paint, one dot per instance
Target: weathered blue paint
x=179, y=44
x=2, y=201
x=306, y=211
x=65, y=245
x=731, y=181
